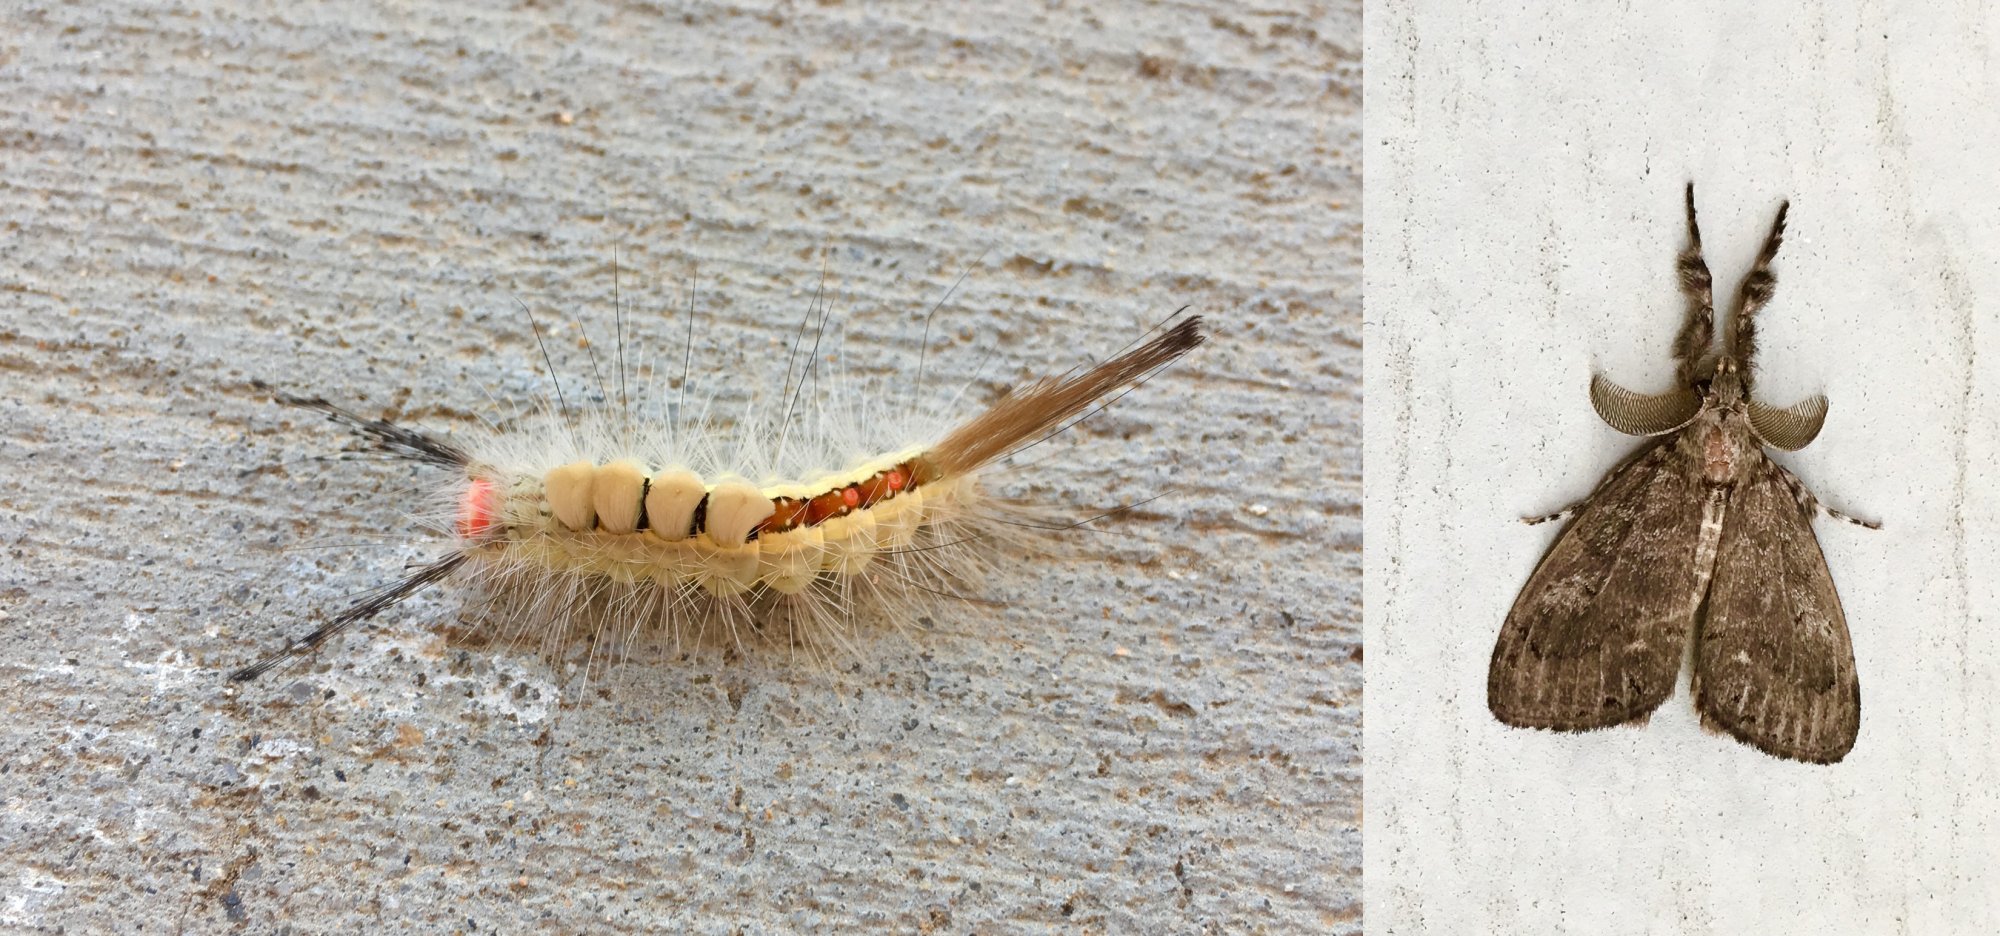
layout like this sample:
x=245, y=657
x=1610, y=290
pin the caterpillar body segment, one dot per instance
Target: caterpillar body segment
x=683, y=541
x=728, y=537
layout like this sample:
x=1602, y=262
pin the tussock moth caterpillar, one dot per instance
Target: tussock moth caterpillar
x=597, y=526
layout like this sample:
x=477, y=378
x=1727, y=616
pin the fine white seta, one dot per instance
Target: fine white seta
x=584, y=528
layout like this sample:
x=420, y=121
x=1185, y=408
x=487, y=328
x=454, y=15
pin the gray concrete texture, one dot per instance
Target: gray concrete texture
x=1524, y=211
x=1158, y=733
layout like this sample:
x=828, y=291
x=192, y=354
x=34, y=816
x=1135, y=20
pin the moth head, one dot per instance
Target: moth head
x=1788, y=429
x=1727, y=386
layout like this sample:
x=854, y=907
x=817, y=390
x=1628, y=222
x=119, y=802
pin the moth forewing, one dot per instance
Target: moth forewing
x=1595, y=637
x=1698, y=533
x=1774, y=665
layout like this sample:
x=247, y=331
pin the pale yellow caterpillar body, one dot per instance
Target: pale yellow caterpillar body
x=682, y=533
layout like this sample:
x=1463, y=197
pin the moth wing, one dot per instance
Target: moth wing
x=1774, y=665
x=1596, y=636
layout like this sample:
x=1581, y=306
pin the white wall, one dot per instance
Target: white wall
x=1523, y=211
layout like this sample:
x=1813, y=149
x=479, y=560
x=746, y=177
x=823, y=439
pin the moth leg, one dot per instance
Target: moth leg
x=1699, y=332
x=1563, y=514
x=1812, y=503
x=1755, y=291
x=1857, y=521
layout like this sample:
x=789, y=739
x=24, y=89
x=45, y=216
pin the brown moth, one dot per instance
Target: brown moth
x=1698, y=531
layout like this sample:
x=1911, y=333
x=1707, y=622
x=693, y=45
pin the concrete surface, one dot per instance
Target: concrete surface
x=1523, y=213
x=1160, y=736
